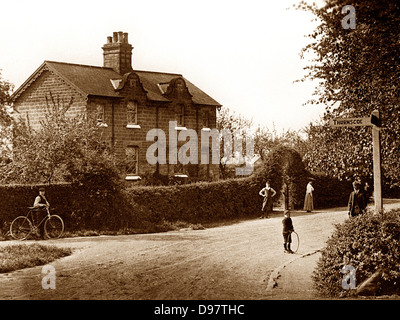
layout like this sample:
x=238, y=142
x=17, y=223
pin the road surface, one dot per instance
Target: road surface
x=239, y=261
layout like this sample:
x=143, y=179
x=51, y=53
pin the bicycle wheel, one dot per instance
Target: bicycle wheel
x=20, y=228
x=54, y=227
x=295, y=242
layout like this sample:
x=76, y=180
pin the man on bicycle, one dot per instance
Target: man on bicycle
x=41, y=204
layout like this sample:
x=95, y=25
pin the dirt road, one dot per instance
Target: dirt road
x=238, y=261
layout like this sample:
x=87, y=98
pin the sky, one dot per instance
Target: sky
x=244, y=54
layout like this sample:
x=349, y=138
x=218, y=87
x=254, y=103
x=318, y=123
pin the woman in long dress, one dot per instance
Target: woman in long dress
x=308, y=201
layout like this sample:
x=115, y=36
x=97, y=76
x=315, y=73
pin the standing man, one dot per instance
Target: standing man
x=268, y=193
x=357, y=203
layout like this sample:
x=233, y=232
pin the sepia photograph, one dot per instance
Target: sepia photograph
x=200, y=158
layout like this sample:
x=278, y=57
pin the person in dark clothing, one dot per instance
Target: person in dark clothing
x=41, y=201
x=287, y=230
x=41, y=205
x=357, y=200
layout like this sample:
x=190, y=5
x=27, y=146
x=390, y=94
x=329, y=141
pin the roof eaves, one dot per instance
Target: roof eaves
x=28, y=81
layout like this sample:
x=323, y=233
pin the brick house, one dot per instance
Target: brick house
x=128, y=104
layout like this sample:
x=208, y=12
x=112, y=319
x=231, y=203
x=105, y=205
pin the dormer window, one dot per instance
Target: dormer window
x=180, y=86
x=163, y=87
x=132, y=83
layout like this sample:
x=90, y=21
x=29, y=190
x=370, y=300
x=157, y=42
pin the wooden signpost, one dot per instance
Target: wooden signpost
x=373, y=121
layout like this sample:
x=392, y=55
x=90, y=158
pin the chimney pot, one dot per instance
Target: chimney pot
x=120, y=37
x=126, y=37
x=115, y=37
x=109, y=39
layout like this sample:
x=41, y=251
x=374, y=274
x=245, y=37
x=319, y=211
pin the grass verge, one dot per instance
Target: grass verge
x=15, y=257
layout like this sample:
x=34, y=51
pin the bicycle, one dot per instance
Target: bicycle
x=21, y=227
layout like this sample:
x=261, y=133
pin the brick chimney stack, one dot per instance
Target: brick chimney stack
x=117, y=53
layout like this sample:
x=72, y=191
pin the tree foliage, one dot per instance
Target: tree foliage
x=63, y=149
x=237, y=125
x=357, y=70
x=264, y=139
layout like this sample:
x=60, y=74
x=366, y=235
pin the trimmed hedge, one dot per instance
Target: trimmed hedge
x=329, y=192
x=200, y=202
x=85, y=209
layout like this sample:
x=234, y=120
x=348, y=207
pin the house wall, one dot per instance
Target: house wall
x=32, y=105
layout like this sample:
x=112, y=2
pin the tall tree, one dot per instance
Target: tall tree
x=358, y=71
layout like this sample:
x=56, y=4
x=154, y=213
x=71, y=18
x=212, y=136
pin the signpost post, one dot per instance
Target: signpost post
x=376, y=144
x=373, y=121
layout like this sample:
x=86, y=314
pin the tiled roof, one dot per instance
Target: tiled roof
x=96, y=81
x=151, y=79
x=90, y=80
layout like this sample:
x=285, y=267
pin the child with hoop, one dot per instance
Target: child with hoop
x=287, y=231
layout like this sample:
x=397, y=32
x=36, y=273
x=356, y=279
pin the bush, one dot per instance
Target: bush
x=368, y=242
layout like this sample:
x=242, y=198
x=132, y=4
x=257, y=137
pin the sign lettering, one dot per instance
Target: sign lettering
x=349, y=122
